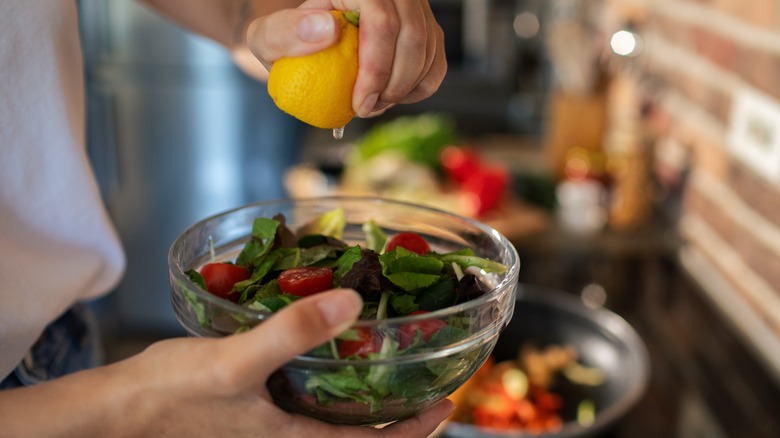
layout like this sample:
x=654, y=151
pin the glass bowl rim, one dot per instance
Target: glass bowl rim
x=509, y=280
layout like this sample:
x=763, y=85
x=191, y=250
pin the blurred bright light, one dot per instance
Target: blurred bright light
x=625, y=43
x=526, y=25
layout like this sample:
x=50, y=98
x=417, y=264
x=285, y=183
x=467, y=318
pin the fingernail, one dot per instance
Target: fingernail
x=380, y=106
x=368, y=105
x=340, y=307
x=450, y=406
x=314, y=27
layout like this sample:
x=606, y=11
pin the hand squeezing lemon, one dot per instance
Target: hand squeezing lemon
x=317, y=88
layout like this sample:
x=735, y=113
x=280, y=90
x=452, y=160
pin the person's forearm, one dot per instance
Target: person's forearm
x=88, y=403
x=224, y=21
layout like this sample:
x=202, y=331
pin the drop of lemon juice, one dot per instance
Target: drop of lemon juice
x=338, y=133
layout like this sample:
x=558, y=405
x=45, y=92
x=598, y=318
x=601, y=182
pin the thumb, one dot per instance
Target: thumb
x=291, y=32
x=295, y=330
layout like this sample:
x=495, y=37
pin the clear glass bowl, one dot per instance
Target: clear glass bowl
x=382, y=390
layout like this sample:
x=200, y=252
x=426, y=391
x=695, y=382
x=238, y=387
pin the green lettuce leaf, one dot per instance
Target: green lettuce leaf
x=331, y=224
x=464, y=261
x=271, y=304
x=345, y=262
x=378, y=376
x=261, y=241
x=438, y=296
x=375, y=237
x=345, y=383
x=410, y=271
x=404, y=304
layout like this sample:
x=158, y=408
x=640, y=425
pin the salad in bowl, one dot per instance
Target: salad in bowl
x=437, y=289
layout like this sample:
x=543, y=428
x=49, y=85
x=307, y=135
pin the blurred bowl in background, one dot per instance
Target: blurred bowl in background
x=603, y=341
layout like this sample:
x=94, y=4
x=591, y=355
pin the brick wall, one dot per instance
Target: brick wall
x=699, y=55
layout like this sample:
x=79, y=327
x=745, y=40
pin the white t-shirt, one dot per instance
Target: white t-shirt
x=57, y=244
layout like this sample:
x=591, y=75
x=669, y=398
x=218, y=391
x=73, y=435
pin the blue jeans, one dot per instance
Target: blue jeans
x=67, y=345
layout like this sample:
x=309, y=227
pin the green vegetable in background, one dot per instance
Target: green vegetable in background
x=418, y=138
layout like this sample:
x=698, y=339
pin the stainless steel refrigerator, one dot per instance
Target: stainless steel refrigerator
x=175, y=132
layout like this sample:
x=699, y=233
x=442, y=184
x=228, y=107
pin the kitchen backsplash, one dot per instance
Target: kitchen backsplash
x=707, y=82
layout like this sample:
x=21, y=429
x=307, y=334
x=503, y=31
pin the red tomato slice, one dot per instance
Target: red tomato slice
x=368, y=343
x=408, y=332
x=305, y=280
x=411, y=241
x=220, y=278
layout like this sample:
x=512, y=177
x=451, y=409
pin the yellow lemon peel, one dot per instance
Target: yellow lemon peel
x=317, y=88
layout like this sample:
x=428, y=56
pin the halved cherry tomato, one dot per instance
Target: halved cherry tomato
x=411, y=241
x=368, y=343
x=408, y=333
x=305, y=280
x=220, y=278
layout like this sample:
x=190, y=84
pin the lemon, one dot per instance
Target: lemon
x=317, y=88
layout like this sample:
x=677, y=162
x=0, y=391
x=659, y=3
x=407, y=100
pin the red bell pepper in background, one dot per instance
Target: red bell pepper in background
x=483, y=184
x=460, y=163
x=486, y=188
